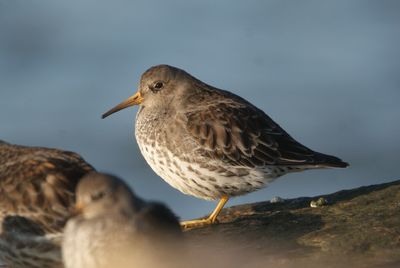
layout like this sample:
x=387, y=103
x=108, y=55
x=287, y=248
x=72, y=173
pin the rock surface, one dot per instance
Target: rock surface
x=356, y=228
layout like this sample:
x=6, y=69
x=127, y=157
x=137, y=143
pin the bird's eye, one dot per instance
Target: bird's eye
x=98, y=195
x=158, y=85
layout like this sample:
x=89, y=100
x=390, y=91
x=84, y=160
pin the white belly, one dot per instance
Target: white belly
x=77, y=248
x=193, y=179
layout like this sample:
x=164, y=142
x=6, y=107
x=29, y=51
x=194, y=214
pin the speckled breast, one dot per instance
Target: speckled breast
x=191, y=173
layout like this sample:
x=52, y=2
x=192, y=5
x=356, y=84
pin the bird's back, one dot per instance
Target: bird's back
x=36, y=197
x=228, y=127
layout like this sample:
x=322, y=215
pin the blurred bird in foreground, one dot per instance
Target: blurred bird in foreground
x=37, y=194
x=211, y=143
x=115, y=228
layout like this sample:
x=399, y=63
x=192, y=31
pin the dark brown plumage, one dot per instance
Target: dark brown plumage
x=241, y=134
x=37, y=194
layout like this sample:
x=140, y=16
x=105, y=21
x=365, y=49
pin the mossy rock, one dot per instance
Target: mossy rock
x=355, y=228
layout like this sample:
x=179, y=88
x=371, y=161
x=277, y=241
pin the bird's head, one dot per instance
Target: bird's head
x=99, y=194
x=160, y=86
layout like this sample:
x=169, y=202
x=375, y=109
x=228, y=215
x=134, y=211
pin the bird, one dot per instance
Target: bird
x=37, y=195
x=113, y=227
x=210, y=143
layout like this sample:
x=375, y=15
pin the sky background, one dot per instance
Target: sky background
x=327, y=71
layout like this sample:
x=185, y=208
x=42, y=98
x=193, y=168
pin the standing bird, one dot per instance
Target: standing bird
x=115, y=228
x=211, y=143
x=37, y=194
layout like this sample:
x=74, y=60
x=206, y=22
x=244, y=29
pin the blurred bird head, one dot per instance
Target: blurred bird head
x=98, y=194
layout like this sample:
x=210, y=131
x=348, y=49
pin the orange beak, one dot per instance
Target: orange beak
x=131, y=101
x=78, y=209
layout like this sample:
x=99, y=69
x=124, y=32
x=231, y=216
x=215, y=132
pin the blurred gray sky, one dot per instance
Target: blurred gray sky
x=326, y=71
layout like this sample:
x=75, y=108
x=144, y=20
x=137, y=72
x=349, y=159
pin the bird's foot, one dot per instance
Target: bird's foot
x=198, y=223
x=186, y=225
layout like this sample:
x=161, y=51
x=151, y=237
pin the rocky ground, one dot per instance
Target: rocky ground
x=355, y=228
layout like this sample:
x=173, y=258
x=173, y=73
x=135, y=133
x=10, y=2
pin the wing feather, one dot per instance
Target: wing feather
x=231, y=129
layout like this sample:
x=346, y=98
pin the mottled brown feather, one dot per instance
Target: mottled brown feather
x=239, y=133
x=37, y=193
x=39, y=183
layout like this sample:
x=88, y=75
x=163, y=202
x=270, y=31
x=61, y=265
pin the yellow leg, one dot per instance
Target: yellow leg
x=209, y=220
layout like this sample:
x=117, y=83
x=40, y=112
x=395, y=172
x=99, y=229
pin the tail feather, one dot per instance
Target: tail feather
x=325, y=160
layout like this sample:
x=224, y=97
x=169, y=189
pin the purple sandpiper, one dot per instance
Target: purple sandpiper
x=115, y=228
x=210, y=143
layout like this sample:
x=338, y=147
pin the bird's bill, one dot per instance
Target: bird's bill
x=78, y=209
x=131, y=101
